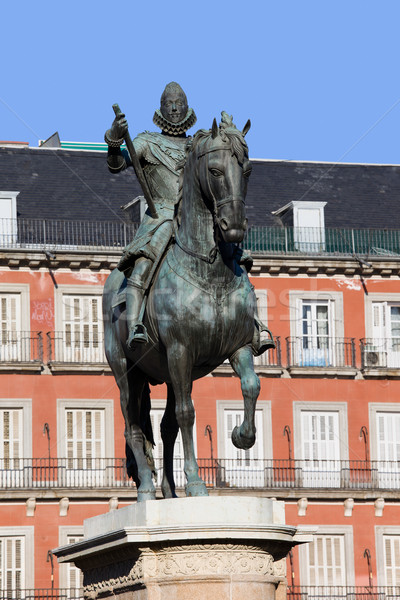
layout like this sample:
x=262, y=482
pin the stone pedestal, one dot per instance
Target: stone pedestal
x=225, y=548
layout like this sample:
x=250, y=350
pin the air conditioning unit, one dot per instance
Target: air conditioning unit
x=375, y=358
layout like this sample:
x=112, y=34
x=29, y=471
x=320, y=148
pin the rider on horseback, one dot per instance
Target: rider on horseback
x=161, y=156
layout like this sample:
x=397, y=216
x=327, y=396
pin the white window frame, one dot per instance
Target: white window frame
x=330, y=530
x=64, y=531
x=76, y=290
x=380, y=532
x=334, y=300
x=238, y=405
x=390, y=475
x=29, y=567
x=312, y=471
x=63, y=405
x=9, y=230
x=385, y=357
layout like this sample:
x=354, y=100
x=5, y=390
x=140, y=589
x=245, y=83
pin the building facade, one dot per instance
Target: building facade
x=326, y=246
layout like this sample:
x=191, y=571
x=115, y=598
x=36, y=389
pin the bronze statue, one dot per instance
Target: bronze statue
x=200, y=307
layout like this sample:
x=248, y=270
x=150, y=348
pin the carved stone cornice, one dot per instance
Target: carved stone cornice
x=79, y=259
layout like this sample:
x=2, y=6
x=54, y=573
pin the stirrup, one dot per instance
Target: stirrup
x=138, y=334
x=265, y=342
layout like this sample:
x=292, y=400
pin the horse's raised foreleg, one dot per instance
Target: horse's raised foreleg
x=180, y=369
x=242, y=363
x=169, y=432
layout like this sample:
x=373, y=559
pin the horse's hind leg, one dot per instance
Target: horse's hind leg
x=180, y=369
x=131, y=386
x=242, y=363
x=169, y=432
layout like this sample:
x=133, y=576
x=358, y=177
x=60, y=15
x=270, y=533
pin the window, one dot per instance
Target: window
x=382, y=348
x=15, y=344
x=328, y=560
x=16, y=559
x=385, y=443
x=79, y=323
x=85, y=434
x=15, y=442
x=317, y=330
x=320, y=442
x=8, y=218
x=71, y=578
x=244, y=468
x=307, y=220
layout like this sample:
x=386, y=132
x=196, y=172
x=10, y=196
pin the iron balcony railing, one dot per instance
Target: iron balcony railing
x=69, y=235
x=76, y=347
x=98, y=235
x=320, y=351
x=41, y=594
x=339, y=592
x=242, y=473
x=21, y=347
x=316, y=240
x=381, y=353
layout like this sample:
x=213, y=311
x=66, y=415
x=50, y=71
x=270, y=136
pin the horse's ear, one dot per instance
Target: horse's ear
x=214, y=129
x=246, y=127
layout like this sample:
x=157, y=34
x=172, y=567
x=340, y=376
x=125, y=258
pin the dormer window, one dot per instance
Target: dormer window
x=307, y=220
x=8, y=218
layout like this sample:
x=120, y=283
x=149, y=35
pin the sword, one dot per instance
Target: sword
x=138, y=168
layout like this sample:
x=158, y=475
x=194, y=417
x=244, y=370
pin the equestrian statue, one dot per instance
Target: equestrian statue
x=180, y=302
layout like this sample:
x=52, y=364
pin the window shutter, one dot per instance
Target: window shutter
x=233, y=418
x=320, y=435
x=84, y=437
x=74, y=575
x=388, y=436
x=326, y=561
x=12, y=560
x=83, y=327
x=261, y=296
x=11, y=437
x=392, y=560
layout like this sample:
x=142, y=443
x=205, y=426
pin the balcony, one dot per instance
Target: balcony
x=343, y=592
x=42, y=594
x=380, y=353
x=22, y=349
x=307, y=352
x=323, y=241
x=79, y=351
x=218, y=473
x=54, y=234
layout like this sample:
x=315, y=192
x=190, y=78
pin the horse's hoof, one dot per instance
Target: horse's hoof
x=145, y=495
x=240, y=441
x=196, y=488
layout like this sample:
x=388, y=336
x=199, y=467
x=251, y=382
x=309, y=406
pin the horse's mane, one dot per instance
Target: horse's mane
x=228, y=132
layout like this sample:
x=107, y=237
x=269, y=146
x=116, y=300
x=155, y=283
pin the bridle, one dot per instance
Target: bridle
x=216, y=204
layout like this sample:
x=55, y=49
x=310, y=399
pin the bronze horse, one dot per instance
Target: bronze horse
x=200, y=311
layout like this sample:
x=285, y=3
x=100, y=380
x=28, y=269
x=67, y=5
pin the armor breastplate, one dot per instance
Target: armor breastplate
x=163, y=183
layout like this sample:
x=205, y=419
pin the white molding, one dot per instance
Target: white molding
x=264, y=406
x=82, y=404
x=380, y=531
x=373, y=408
x=339, y=407
x=24, y=290
x=26, y=405
x=28, y=533
x=327, y=530
x=75, y=290
x=375, y=297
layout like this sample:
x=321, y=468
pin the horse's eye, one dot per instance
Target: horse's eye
x=216, y=173
x=247, y=173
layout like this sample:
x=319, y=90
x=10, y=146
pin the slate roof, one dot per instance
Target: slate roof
x=77, y=185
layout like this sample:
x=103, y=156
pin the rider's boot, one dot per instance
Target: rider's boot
x=262, y=338
x=134, y=297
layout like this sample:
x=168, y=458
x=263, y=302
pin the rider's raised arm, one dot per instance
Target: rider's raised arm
x=118, y=159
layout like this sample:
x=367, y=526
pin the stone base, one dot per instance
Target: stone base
x=187, y=549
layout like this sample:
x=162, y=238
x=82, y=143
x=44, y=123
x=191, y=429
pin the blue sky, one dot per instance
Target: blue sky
x=318, y=79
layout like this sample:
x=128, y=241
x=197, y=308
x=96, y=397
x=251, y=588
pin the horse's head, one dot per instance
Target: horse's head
x=224, y=169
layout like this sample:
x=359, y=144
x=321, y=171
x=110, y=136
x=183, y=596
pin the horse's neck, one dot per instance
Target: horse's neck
x=197, y=234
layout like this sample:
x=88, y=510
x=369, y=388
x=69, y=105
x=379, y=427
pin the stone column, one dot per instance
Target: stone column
x=225, y=548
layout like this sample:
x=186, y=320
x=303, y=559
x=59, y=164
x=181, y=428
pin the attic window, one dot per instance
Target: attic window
x=8, y=217
x=308, y=222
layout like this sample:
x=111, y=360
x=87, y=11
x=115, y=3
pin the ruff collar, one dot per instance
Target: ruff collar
x=175, y=128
